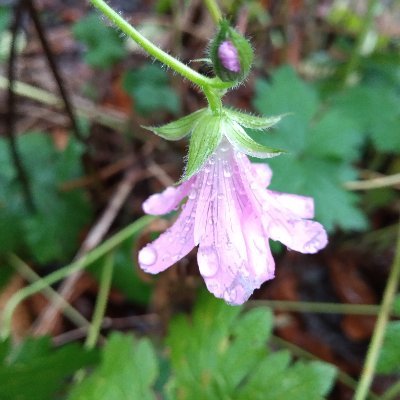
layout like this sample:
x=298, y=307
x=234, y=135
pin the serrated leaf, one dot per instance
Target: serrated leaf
x=252, y=121
x=389, y=358
x=127, y=371
x=178, y=129
x=37, y=371
x=321, y=144
x=241, y=141
x=206, y=136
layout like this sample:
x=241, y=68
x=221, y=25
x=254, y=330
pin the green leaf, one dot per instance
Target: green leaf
x=221, y=353
x=178, y=129
x=389, y=358
x=252, y=121
x=376, y=110
x=127, y=371
x=104, y=45
x=36, y=371
x=206, y=136
x=322, y=141
x=244, y=143
x=52, y=232
x=150, y=88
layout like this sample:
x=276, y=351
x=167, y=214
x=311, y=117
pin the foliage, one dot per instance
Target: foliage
x=40, y=369
x=322, y=143
x=221, y=353
x=104, y=46
x=127, y=371
x=389, y=359
x=149, y=87
x=51, y=232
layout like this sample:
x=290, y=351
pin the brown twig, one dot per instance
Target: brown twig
x=10, y=116
x=46, y=321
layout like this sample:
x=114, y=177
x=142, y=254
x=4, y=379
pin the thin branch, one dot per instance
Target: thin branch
x=53, y=67
x=10, y=116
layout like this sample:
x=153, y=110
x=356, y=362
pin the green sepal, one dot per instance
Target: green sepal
x=241, y=141
x=243, y=47
x=178, y=129
x=206, y=136
x=252, y=121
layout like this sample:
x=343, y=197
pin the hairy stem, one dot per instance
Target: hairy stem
x=214, y=10
x=380, y=327
x=156, y=52
x=77, y=265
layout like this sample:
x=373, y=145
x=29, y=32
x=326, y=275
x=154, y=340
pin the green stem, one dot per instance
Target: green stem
x=380, y=327
x=101, y=302
x=354, y=61
x=318, y=307
x=156, y=52
x=392, y=392
x=27, y=273
x=77, y=265
x=214, y=100
x=214, y=10
x=298, y=351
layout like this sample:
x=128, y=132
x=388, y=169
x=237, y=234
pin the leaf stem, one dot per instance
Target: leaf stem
x=27, y=273
x=77, y=265
x=156, y=52
x=101, y=302
x=214, y=10
x=368, y=371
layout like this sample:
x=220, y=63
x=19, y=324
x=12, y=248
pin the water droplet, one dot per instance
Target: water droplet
x=220, y=196
x=192, y=194
x=208, y=261
x=147, y=256
x=224, y=147
x=227, y=172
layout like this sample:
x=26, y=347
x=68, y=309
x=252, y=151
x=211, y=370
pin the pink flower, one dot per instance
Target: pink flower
x=231, y=216
x=229, y=56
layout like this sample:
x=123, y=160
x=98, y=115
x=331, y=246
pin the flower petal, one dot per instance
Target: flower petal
x=301, y=235
x=167, y=200
x=171, y=245
x=301, y=206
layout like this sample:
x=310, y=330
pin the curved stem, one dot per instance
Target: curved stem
x=380, y=327
x=156, y=52
x=214, y=100
x=77, y=265
x=101, y=302
x=214, y=10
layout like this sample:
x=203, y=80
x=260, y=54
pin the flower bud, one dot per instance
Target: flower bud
x=231, y=54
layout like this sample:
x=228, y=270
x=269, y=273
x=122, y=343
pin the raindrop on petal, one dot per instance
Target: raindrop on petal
x=147, y=256
x=208, y=261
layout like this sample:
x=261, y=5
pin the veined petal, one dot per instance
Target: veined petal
x=168, y=200
x=301, y=235
x=171, y=245
x=240, y=140
x=301, y=206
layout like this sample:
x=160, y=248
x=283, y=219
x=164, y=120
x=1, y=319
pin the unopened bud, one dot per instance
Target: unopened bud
x=229, y=56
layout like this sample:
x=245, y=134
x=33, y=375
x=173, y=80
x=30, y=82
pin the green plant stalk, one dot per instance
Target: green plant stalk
x=27, y=273
x=354, y=61
x=214, y=10
x=156, y=52
x=77, y=265
x=369, y=367
x=101, y=302
x=318, y=307
x=392, y=392
x=298, y=351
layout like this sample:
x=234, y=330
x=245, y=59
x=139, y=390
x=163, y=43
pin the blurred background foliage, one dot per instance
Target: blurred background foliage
x=333, y=67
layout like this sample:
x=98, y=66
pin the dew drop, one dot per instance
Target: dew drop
x=192, y=195
x=227, y=172
x=208, y=261
x=147, y=256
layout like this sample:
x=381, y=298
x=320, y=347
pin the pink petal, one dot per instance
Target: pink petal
x=263, y=174
x=171, y=245
x=168, y=200
x=301, y=206
x=304, y=236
